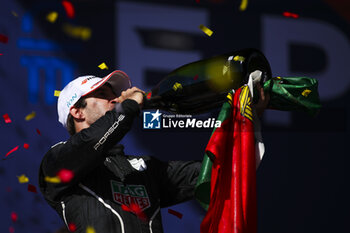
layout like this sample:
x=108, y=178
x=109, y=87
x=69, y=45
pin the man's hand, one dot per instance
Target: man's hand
x=133, y=93
x=264, y=99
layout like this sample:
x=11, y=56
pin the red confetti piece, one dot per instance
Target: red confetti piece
x=291, y=15
x=6, y=118
x=72, y=227
x=65, y=175
x=4, y=39
x=14, y=217
x=134, y=208
x=126, y=208
x=32, y=188
x=11, y=229
x=13, y=150
x=26, y=146
x=1, y=54
x=68, y=6
x=149, y=95
x=197, y=1
x=195, y=77
x=8, y=189
x=173, y=212
x=38, y=131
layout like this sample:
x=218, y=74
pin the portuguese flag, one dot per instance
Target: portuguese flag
x=227, y=182
x=229, y=168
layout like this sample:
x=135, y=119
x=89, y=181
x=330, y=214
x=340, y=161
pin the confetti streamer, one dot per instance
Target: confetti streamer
x=52, y=16
x=6, y=118
x=32, y=188
x=25, y=145
x=14, y=216
x=175, y=213
x=23, y=179
x=78, y=32
x=72, y=227
x=103, y=66
x=206, y=30
x=55, y=179
x=134, y=208
x=90, y=230
x=290, y=15
x=30, y=116
x=4, y=39
x=38, y=131
x=306, y=92
x=57, y=93
x=65, y=175
x=243, y=5
x=68, y=6
x=149, y=95
x=177, y=86
x=11, y=229
x=126, y=208
x=11, y=151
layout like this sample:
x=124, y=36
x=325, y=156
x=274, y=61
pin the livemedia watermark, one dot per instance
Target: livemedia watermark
x=158, y=120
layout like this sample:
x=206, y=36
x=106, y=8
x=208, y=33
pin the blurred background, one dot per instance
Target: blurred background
x=303, y=179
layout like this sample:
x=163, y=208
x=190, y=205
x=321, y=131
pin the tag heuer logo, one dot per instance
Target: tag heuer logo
x=126, y=195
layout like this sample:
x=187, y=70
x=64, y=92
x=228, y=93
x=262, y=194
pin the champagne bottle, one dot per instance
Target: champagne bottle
x=203, y=85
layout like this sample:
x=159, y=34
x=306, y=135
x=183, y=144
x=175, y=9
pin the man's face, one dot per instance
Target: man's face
x=98, y=103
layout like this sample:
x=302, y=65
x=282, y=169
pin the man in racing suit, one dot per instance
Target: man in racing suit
x=109, y=191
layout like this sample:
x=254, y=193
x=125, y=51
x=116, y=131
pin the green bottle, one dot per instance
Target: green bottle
x=203, y=85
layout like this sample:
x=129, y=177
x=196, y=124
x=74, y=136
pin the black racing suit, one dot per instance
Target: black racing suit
x=105, y=179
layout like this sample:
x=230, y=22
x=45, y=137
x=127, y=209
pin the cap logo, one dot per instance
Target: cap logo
x=70, y=101
x=87, y=79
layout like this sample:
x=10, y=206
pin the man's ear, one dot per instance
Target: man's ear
x=77, y=113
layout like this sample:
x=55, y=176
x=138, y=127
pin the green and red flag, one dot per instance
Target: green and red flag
x=230, y=155
x=226, y=185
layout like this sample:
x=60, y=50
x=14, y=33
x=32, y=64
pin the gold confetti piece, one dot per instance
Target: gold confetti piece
x=83, y=33
x=206, y=30
x=278, y=77
x=23, y=179
x=57, y=93
x=229, y=96
x=90, y=230
x=306, y=92
x=103, y=66
x=30, y=116
x=239, y=58
x=177, y=86
x=243, y=5
x=14, y=13
x=52, y=16
x=54, y=179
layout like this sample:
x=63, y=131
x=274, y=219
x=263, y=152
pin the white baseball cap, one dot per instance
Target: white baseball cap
x=84, y=85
